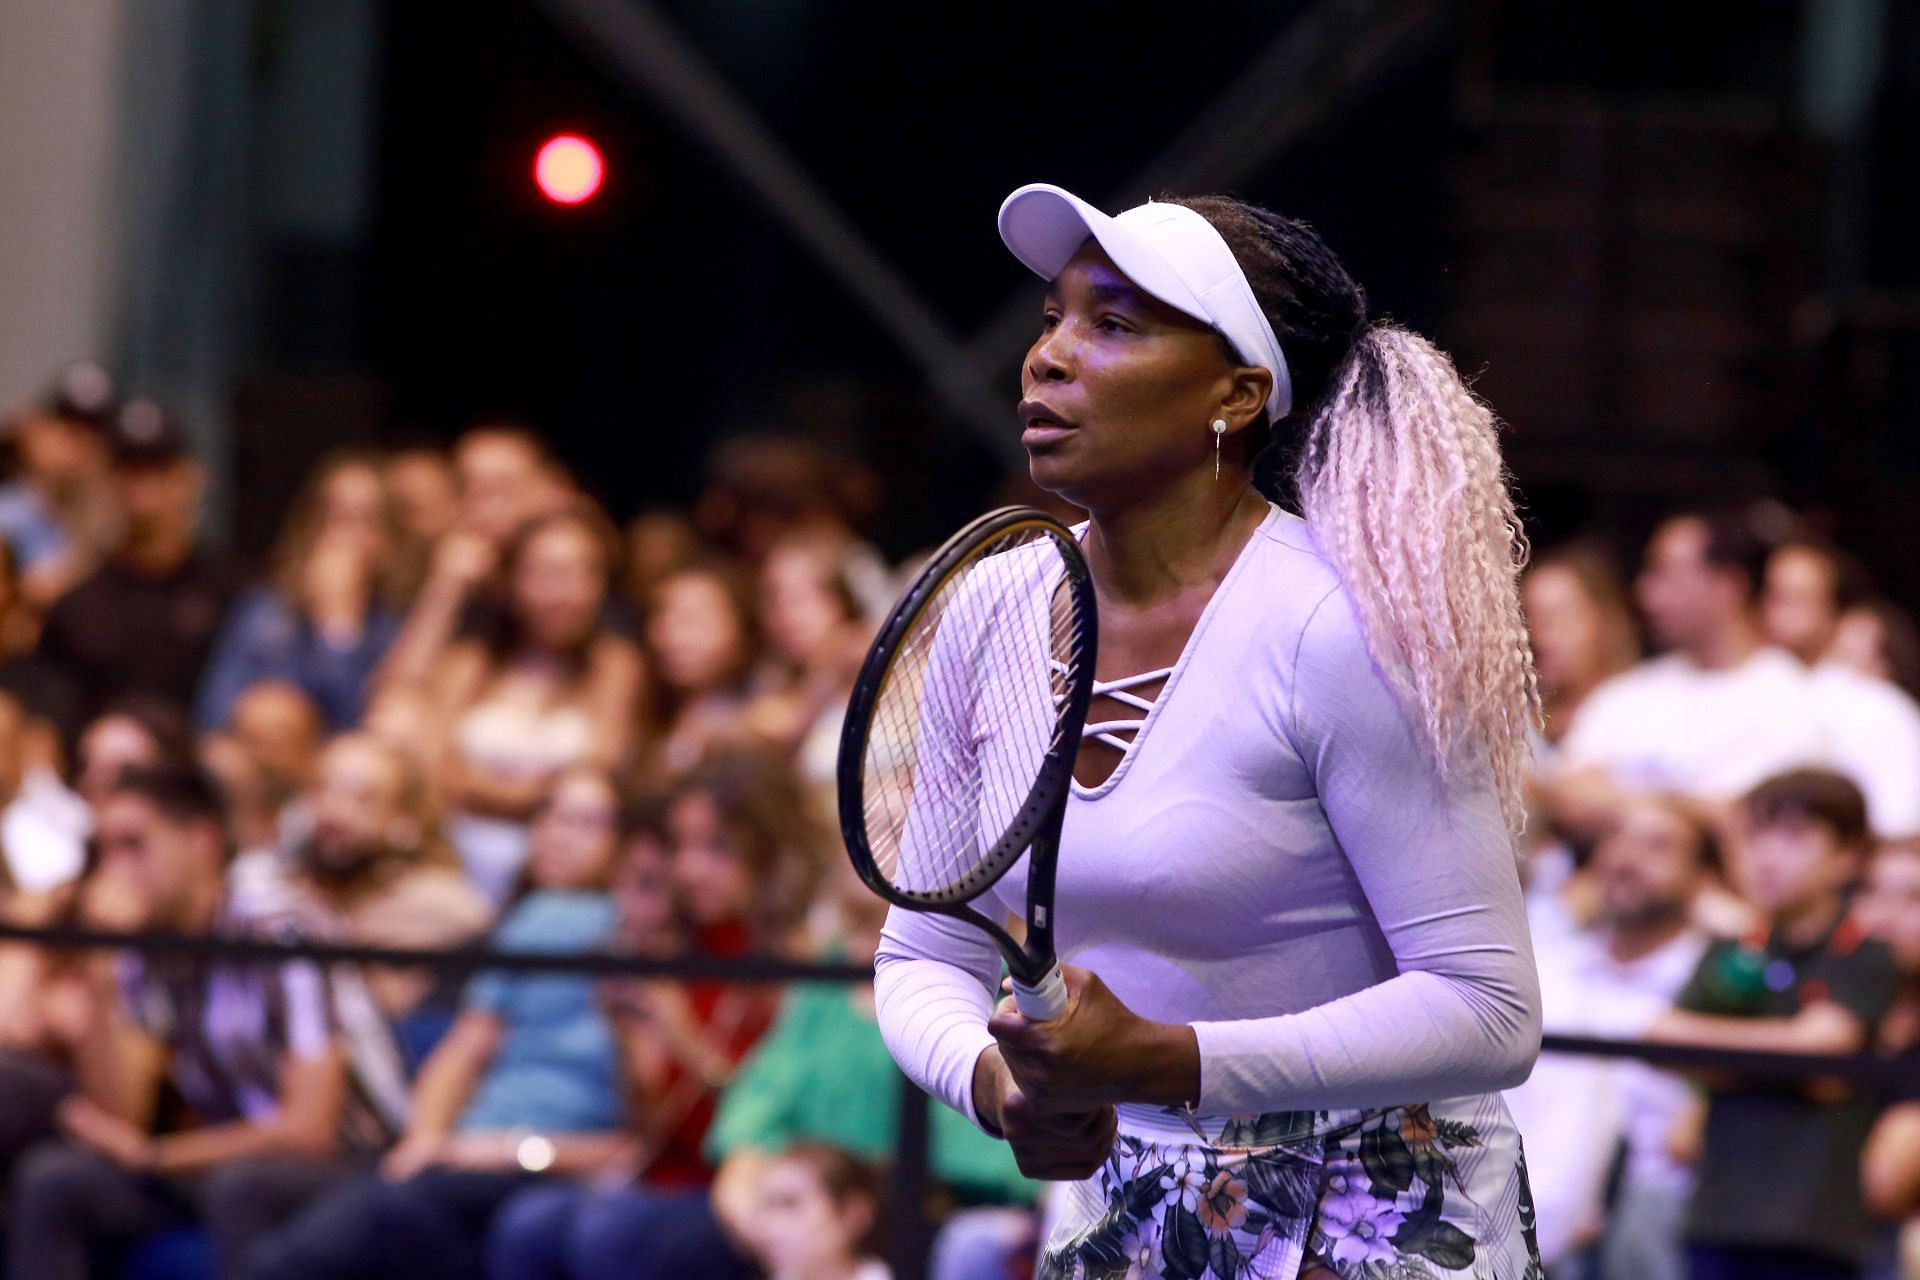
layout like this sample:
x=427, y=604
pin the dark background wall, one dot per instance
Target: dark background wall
x=1675, y=266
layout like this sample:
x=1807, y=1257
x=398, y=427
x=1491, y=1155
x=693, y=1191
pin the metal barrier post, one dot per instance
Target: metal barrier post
x=911, y=1237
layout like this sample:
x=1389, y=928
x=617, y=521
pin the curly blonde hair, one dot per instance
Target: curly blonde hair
x=1399, y=475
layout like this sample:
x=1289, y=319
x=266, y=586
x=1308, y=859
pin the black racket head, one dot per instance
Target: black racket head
x=964, y=722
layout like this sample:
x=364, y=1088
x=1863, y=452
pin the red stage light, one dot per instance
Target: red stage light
x=568, y=169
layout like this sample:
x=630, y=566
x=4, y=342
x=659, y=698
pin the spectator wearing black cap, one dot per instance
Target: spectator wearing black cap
x=145, y=621
x=57, y=513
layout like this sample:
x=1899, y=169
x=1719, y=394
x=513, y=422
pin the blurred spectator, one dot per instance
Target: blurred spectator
x=46, y=1007
x=744, y=859
x=1779, y=1191
x=748, y=853
x=506, y=480
x=145, y=621
x=1610, y=981
x=526, y=1083
x=49, y=701
x=1890, y=1178
x=19, y=619
x=760, y=488
x=251, y=1049
x=42, y=824
x=1809, y=585
x=1582, y=628
x=659, y=543
x=325, y=620
x=424, y=495
x=57, y=514
x=1871, y=727
x=702, y=646
x=550, y=688
x=264, y=758
x=1878, y=639
x=816, y=637
x=816, y=1216
x=371, y=854
x=134, y=733
x=1888, y=908
x=822, y=1074
x=1708, y=719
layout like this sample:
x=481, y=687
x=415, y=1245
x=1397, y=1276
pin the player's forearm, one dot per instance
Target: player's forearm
x=1417, y=1035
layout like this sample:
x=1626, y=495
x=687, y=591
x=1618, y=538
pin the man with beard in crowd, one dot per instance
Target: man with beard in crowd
x=369, y=857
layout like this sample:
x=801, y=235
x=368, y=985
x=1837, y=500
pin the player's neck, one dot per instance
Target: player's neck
x=1185, y=536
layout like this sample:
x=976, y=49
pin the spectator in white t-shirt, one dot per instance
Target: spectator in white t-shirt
x=1708, y=719
x=1871, y=726
x=1610, y=980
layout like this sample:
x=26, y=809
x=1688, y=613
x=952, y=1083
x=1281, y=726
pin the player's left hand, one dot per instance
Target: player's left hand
x=1098, y=1053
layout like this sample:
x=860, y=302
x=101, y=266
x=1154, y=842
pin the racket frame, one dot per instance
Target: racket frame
x=1035, y=828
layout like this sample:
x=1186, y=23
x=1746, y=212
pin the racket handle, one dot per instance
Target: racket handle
x=1046, y=999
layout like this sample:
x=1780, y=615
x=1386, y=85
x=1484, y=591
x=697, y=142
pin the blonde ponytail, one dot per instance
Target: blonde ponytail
x=1403, y=487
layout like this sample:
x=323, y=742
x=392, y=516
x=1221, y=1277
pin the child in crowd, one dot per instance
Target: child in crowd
x=818, y=1213
x=1778, y=1193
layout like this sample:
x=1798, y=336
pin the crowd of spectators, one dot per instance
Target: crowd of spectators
x=1724, y=850
x=456, y=701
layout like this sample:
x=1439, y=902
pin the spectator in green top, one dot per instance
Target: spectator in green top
x=1778, y=1193
x=821, y=1074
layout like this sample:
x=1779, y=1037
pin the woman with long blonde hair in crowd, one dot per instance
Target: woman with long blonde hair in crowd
x=1289, y=905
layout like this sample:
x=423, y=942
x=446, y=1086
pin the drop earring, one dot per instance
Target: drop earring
x=1219, y=433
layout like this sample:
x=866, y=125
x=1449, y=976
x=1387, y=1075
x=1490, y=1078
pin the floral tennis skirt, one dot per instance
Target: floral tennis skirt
x=1417, y=1192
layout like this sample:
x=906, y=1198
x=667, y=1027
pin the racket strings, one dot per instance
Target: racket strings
x=968, y=712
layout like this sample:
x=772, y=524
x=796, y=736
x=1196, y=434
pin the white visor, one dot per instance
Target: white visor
x=1168, y=250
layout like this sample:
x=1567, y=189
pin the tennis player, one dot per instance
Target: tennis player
x=1297, y=962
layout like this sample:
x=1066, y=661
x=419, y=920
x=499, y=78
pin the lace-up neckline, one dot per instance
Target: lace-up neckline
x=1125, y=734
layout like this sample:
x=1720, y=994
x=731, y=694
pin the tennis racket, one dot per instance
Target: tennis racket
x=958, y=748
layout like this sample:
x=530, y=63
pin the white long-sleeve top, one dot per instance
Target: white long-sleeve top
x=1275, y=861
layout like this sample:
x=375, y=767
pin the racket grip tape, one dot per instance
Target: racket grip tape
x=1046, y=999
